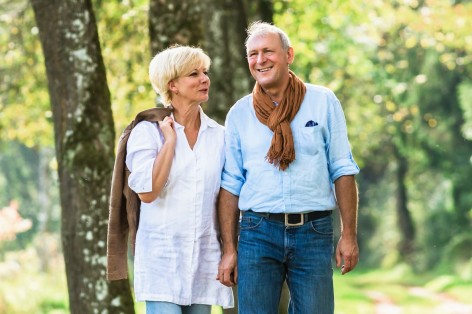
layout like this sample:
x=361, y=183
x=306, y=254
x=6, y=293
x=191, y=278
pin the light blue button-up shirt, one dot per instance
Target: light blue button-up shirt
x=322, y=155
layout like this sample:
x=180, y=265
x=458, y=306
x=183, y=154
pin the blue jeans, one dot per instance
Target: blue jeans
x=158, y=307
x=269, y=253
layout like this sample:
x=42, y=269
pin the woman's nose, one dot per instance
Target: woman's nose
x=205, y=78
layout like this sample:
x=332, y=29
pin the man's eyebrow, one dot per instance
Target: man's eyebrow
x=259, y=49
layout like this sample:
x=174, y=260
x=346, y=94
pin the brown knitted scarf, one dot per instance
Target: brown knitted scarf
x=277, y=118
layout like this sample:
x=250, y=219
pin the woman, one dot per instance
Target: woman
x=175, y=169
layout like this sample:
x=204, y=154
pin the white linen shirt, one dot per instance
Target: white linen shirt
x=177, y=248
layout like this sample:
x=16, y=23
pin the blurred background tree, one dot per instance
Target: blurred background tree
x=401, y=69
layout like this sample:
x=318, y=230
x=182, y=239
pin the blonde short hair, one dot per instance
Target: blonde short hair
x=172, y=63
x=260, y=28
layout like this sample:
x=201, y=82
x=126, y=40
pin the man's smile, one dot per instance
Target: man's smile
x=264, y=69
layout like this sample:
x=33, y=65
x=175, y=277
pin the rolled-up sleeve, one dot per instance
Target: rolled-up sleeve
x=340, y=160
x=232, y=177
x=142, y=147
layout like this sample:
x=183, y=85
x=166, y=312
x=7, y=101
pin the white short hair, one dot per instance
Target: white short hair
x=260, y=28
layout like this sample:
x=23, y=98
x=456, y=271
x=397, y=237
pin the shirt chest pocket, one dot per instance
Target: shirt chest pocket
x=309, y=141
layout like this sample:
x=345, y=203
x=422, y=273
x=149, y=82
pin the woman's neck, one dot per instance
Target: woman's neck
x=188, y=116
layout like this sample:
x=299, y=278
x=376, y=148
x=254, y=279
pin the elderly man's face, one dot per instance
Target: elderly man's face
x=268, y=61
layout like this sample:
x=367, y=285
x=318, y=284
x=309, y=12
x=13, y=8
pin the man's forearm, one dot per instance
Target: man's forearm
x=346, y=195
x=228, y=217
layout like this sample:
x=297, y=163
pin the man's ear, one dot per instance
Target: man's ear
x=290, y=55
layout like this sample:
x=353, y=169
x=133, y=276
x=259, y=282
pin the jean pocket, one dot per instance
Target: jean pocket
x=250, y=222
x=323, y=226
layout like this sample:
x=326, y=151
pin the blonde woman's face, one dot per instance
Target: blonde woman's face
x=192, y=87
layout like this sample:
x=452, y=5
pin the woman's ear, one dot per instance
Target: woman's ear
x=171, y=86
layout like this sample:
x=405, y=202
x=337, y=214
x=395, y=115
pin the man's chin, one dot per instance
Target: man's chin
x=265, y=82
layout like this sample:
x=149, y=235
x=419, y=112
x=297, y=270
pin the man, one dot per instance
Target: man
x=288, y=165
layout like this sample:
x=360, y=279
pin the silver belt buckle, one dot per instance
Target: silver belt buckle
x=288, y=224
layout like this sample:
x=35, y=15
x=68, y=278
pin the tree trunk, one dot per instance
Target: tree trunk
x=175, y=22
x=405, y=222
x=84, y=140
x=224, y=41
x=262, y=10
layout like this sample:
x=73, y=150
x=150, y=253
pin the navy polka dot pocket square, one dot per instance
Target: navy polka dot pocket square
x=311, y=123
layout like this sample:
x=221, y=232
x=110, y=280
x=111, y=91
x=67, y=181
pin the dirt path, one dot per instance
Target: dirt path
x=383, y=303
x=447, y=304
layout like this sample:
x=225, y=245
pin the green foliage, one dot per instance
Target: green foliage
x=465, y=101
x=26, y=130
x=331, y=42
x=23, y=87
x=25, y=288
x=24, y=101
x=28, y=176
x=124, y=36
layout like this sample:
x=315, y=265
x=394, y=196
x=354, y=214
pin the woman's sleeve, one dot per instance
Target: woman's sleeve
x=143, y=145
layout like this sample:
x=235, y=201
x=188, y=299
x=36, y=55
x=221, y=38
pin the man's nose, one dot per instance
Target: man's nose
x=261, y=57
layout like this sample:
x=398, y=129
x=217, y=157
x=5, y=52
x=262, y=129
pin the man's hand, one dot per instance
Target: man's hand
x=228, y=270
x=347, y=251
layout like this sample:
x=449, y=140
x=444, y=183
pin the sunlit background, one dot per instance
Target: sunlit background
x=403, y=73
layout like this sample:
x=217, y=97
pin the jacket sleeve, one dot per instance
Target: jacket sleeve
x=118, y=227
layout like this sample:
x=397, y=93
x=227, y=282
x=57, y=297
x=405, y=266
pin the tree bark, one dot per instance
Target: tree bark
x=84, y=140
x=224, y=41
x=175, y=22
x=262, y=10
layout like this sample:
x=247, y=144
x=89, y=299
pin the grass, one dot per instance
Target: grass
x=400, y=289
x=24, y=288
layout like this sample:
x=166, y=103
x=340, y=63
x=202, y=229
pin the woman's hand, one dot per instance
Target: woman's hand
x=163, y=161
x=167, y=128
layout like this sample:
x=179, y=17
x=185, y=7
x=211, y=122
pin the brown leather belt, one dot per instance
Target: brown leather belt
x=294, y=219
